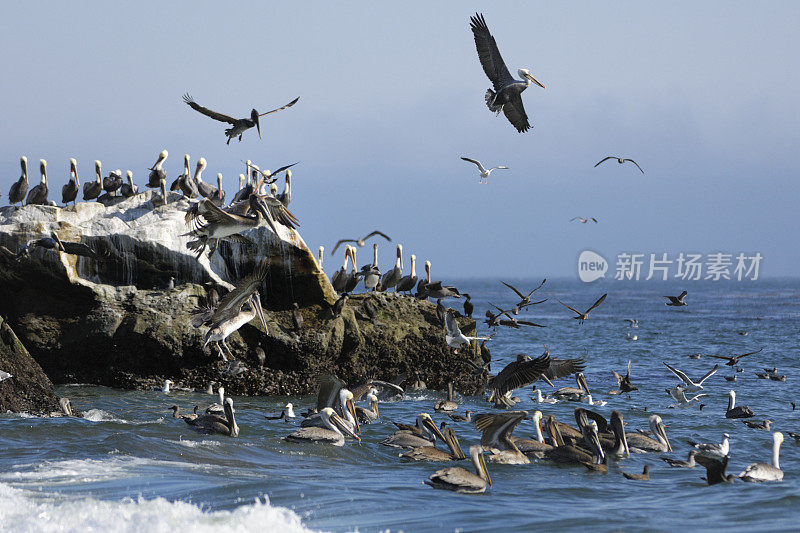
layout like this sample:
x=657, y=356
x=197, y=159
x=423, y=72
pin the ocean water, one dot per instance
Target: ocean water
x=129, y=466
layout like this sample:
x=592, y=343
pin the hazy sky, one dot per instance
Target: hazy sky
x=703, y=95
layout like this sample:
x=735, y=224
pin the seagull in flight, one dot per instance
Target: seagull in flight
x=583, y=316
x=676, y=301
x=454, y=337
x=484, y=179
x=620, y=160
x=362, y=241
x=583, y=220
x=689, y=385
x=524, y=300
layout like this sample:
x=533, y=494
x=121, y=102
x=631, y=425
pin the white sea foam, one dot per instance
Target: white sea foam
x=23, y=510
x=195, y=443
x=98, y=415
x=87, y=470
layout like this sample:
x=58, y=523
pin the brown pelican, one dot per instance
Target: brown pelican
x=112, y=182
x=519, y=373
x=435, y=289
x=427, y=434
x=206, y=190
x=571, y=453
x=93, y=189
x=38, y=194
x=432, y=453
x=69, y=192
x=573, y=393
x=217, y=407
x=715, y=469
x=231, y=313
x=533, y=447
x=506, y=96
x=286, y=196
x=332, y=393
x=339, y=278
x=371, y=273
x=362, y=241
x=213, y=423
x=185, y=183
x=583, y=220
x=176, y=413
x=158, y=176
x=737, y=412
x=408, y=282
x=320, y=256
x=620, y=447
x=496, y=432
x=484, y=172
x=54, y=243
x=644, y=476
x=448, y=404
x=676, y=301
x=332, y=430
x=354, y=276
x=128, y=189
x=462, y=481
x=453, y=336
x=624, y=382
x=247, y=189
x=367, y=415
x=689, y=385
x=677, y=463
x=583, y=316
x=18, y=190
x=639, y=443
x=734, y=360
x=238, y=125
x=757, y=425
x=713, y=449
x=620, y=160
x=391, y=278
x=765, y=471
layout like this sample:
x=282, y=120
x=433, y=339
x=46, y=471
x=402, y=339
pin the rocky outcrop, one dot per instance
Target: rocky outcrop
x=28, y=390
x=117, y=319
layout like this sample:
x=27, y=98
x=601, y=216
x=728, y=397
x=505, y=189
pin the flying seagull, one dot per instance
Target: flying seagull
x=689, y=385
x=676, y=301
x=362, y=241
x=506, y=96
x=583, y=316
x=583, y=220
x=620, y=160
x=483, y=171
x=238, y=125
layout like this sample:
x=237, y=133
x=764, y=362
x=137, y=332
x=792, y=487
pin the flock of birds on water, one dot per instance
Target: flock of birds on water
x=336, y=417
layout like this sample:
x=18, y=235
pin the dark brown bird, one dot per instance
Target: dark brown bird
x=715, y=469
x=468, y=306
x=677, y=301
x=337, y=308
x=734, y=360
x=620, y=160
x=583, y=316
x=644, y=476
x=624, y=382
x=525, y=300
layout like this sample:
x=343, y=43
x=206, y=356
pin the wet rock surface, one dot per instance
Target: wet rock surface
x=118, y=320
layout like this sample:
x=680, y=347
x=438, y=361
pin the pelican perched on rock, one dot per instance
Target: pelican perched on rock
x=455, y=339
x=640, y=443
x=38, y=194
x=158, y=176
x=129, y=189
x=408, y=282
x=496, y=436
x=238, y=125
x=766, y=471
x=206, y=190
x=506, y=96
x=18, y=190
x=371, y=273
x=737, y=412
x=463, y=481
x=352, y=279
x=112, y=182
x=484, y=172
x=339, y=278
x=332, y=431
x=286, y=196
x=214, y=423
x=93, y=189
x=69, y=192
x=392, y=277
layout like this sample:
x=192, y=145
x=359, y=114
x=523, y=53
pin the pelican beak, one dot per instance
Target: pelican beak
x=596, y=443
x=374, y=407
x=482, y=463
x=258, y=127
x=582, y=383
x=351, y=406
x=534, y=80
x=432, y=427
x=664, y=434
x=546, y=379
x=342, y=426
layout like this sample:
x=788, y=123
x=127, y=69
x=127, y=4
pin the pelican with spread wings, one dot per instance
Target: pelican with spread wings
x=238, y=125
x=506, y=96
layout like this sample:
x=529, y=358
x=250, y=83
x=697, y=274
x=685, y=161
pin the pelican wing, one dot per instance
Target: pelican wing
x=339, y=242
x=376, y=232
x=278, y=211
x=515, y=113
x=213, y=214
x=488, y=54
x=328, y=394
x=233, y=301
x=526, y=323
x=290, y=104
x=497, y=428
x=519, y=374
x=598, y=302
x=206, y=111
x=560, y=368
x=604, y=160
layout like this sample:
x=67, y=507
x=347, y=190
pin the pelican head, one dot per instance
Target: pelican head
x=476, y=453
x=129, y=175
x=373, y=403
x=273, y=189
x=73, y=163
x=186, y=164
x=348, y=404
x=657, y=427
x=23, y=161
x=333, y=419
x=526, y=74
x=254, y=118
x=426, y=422
x=400, y=255
x=42, y=165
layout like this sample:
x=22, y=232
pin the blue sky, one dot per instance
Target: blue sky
x=702, y=95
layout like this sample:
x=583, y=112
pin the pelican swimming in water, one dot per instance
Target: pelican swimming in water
x=69, y=192
x=533, y=447
x=714, y=449
x=506, y=96
x=425, y=434
x=214, y=423
x=496, y=432
x=408, y=282
x=742, y=411
x=620, y=160
x=18, y=190
x=332, y=393
x=640, y=443
x=766, y=471
x=38, y=194
x=432, y=453
x=393, y=276
x=454, y=338
x=332, y=431
x=463, y=481
x=367, y=415
x=93, y=189
x=574, y=453
x=129, y=189
x=238, y=125
x=484, y=172
x=362, y=241
x=218, y=407
x=689, y=385
x=572, y=393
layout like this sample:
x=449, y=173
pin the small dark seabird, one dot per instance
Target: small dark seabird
x=362, y=241
x=620, y=160
x=734, y=360
x=644, y=476
x=676, y=301
x=525, y=300
x=583, y=316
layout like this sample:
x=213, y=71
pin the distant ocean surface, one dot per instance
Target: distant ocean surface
x=128, y=466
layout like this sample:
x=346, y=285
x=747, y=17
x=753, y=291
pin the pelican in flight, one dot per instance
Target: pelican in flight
x=583, y=316
x=38, y=195
x=765, y=471
x=17, y=192
x=484, y=172
x=506, y=96
x=362, y=241
x=689, y=385
x=69, y=192
x=238, y=125
x=620, y=160
x=463, y=481
x=583, y=220
x=454, y=337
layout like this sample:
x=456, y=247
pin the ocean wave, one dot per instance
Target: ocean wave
x=86, y=470
x=195, y=443
x=22, y=510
